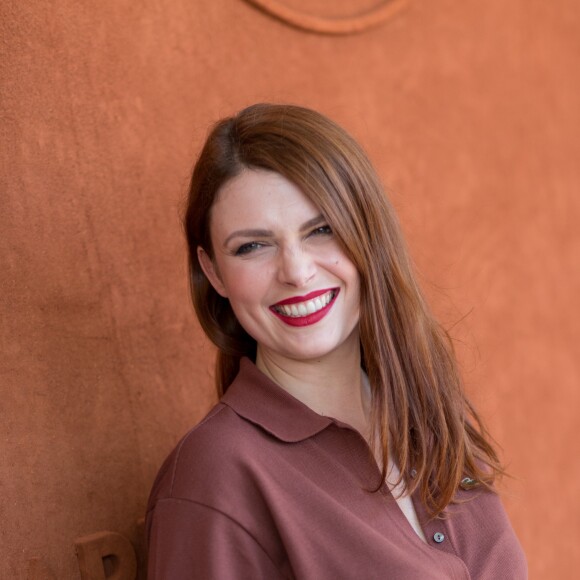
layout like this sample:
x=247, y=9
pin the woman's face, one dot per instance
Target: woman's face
x=289, y=283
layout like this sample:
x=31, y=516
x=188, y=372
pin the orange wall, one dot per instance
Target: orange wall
x=471, y=112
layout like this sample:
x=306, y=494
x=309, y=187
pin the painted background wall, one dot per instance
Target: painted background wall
x=471, y=113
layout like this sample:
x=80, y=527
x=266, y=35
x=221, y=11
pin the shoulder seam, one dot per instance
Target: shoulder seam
x=222, y=513
x=185, y=437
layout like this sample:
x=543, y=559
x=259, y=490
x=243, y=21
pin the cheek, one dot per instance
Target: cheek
x=245, y=284
x=343, y=267
x=348, y=273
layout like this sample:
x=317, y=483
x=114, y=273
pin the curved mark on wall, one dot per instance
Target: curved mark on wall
x=106, y=555
x=322, y=25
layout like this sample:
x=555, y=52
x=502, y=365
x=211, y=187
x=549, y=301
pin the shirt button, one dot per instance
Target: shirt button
x=468, y=483
x=438, y=537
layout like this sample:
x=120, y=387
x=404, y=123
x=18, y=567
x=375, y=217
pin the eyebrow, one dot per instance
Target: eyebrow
x=257, y=233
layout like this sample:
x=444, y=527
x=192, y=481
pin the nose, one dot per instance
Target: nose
x=296, y=267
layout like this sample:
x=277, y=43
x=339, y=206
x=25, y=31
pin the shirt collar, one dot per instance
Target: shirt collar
x=260, y=400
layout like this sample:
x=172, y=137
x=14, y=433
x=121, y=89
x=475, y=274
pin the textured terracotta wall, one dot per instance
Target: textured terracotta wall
x=471, y=112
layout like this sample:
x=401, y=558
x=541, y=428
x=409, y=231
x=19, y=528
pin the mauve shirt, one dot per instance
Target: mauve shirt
x=265, y=488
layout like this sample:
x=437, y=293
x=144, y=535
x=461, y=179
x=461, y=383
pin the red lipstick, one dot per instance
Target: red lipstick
x=311, y=296
x=308, y=319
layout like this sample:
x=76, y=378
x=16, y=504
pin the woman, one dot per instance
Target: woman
x=343, y=445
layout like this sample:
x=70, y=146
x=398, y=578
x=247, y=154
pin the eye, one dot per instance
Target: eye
x=248, y=248
x=321, y=231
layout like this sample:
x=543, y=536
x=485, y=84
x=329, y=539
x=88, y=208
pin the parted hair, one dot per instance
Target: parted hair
x=421, y=416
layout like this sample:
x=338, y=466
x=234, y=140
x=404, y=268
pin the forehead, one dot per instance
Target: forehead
x=258, y=198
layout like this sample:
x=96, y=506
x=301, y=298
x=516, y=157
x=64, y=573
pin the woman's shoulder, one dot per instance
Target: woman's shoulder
x=213, y=451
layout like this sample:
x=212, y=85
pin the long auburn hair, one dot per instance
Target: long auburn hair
x=420, y=415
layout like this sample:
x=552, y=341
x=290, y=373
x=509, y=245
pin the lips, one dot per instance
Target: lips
x=305, y=310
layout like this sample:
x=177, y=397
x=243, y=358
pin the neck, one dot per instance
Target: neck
x=334, y=386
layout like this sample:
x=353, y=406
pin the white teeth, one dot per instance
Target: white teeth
x=305, y=308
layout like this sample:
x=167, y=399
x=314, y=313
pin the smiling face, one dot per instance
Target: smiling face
x=289, y=283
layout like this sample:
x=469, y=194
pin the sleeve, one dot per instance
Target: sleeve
x=191, y=541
